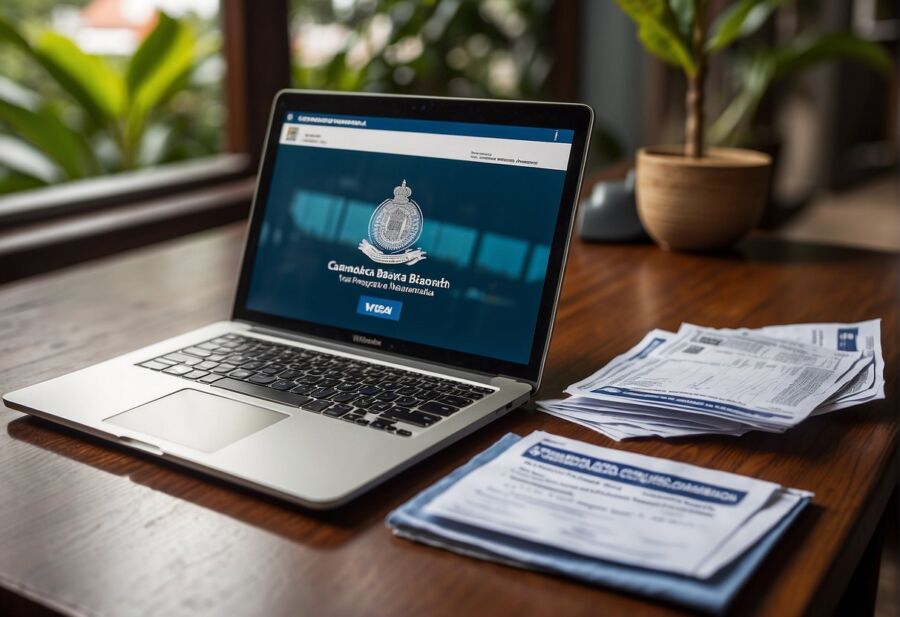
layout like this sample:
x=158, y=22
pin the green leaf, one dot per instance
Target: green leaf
x=659, y=32
x=12, y=182
x=804, y=52
x=151, y=66
x=159, y=68
x=765, y=66
x=740, y=20
x=151, y=52
x=9, y=34
x=160, y=65
x=755, y=76
x=23, y=158
x=88, y=78
x=683, y=12
x=665, y=45
x=90, y=81
x=45, y=131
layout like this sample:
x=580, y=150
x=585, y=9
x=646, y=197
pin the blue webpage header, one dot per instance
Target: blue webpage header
x=440, y=127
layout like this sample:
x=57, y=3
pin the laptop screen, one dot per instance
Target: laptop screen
x=432, y=232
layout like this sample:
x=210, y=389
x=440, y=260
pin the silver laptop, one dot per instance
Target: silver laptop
x=397, y=291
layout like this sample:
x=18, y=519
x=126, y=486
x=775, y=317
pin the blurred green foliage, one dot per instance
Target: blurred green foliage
x=496, y=48
x=66, y=114
x=758, y=67
x=467, y=48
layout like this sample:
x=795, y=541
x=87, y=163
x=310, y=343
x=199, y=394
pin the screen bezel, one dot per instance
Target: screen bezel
x=577, y=117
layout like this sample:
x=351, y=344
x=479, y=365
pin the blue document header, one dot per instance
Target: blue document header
x=636, y=476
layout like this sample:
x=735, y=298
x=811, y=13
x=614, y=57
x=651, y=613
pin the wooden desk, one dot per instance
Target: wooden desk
x=87, y=528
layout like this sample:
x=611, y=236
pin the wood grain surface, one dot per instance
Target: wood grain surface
x=90, y=529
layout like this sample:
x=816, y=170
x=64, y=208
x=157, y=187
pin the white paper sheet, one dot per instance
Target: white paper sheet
x=614, y=505
x=728, y=381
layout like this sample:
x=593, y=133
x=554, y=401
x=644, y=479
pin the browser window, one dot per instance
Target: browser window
x=430, y=232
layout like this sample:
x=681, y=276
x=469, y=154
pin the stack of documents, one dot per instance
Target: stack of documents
x=646, y=525
x=721, y=381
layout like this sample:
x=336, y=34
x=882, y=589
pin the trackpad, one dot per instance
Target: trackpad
x=197, y=420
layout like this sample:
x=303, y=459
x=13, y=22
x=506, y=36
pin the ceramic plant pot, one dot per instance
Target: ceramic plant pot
x=700, y=204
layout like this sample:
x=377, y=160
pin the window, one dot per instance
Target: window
x=124, y=122
x=95, y=87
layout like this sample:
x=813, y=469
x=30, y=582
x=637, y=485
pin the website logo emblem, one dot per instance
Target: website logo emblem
x=394, y=227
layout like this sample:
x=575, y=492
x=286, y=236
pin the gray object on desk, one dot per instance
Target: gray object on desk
x=609, y=214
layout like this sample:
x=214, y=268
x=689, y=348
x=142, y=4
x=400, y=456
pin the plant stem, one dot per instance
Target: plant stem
x=695, y=92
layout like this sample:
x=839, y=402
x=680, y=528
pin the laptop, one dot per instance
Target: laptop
x=398, y=285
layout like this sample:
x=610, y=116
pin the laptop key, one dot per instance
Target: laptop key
x=363, y=401
x=322, y=392
x=416, y=418
x=221, y=369
x=455, y=401
x=379, y=407
x=206, y=366
x=336, y=411
x=153, y=364
x=182, y=358
x=261, y=379
x=428, y=395
x=403, y=432
x=315, y=406
x=196, y=374
x=441, y=409
x=178, y=369
x=211, y=378
x=344, y=397
x=240, y=374
x=277, y=396
x=238, y=359
x=196, y=351
x=282, y=384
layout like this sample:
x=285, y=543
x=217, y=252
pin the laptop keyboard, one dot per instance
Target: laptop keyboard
x=384, y=398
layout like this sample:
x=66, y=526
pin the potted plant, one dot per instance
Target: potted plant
x=695, y=197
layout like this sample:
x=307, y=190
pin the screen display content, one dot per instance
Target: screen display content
x=425, y=231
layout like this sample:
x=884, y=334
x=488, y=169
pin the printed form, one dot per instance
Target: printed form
x=618, y=506
x=729, y=381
